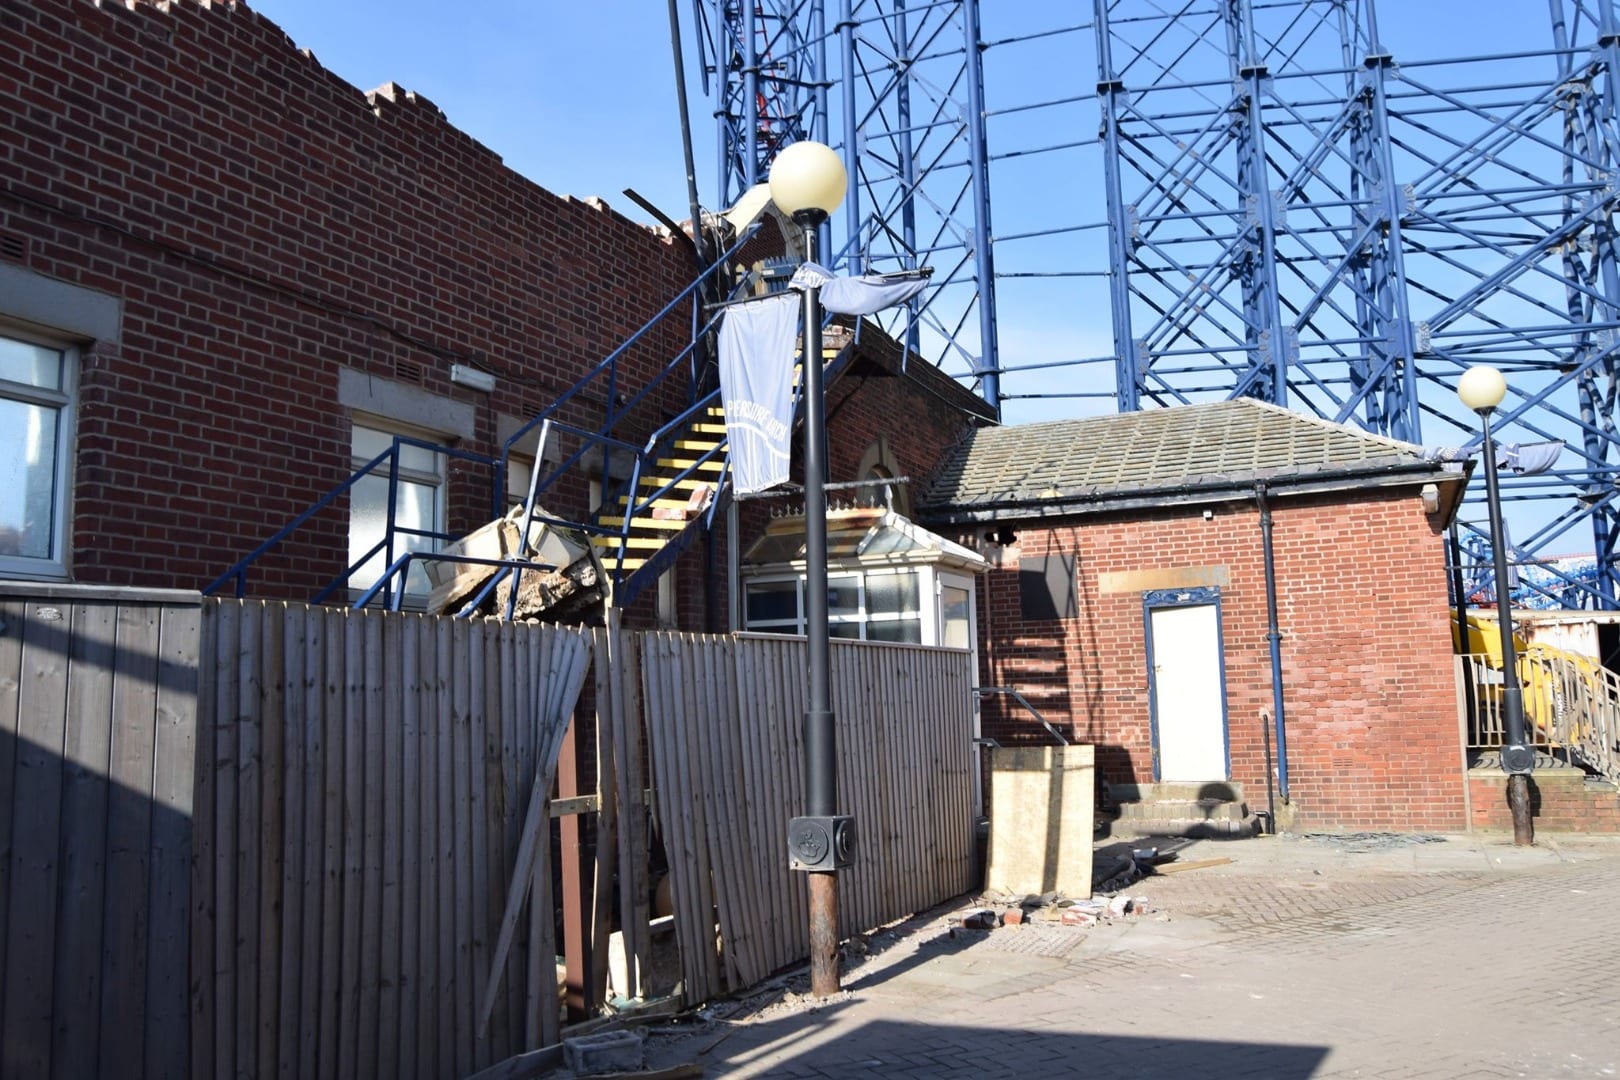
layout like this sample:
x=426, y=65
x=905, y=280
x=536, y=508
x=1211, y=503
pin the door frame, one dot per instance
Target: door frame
x=1162, y=599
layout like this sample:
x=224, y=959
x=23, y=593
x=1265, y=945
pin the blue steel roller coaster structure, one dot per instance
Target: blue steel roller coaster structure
x=1288, y=201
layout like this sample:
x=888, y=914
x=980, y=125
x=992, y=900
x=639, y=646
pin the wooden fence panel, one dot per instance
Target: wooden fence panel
x=98, y=717
x=724, y=718
x=360, y=790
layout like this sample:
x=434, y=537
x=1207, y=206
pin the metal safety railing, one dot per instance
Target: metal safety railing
x=1571, y=706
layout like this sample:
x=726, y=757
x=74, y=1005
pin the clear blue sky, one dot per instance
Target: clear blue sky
x=578, y=97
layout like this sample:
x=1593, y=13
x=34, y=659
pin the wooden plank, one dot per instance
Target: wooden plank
x=543, y=930
x=445, y=870
x=681, y=816
x=25, y=1036
x=746, y=673
x=334, y=736
x=412, y=960
x=465, y=1002
x=366, y=1034
x=291, y=732
x=173, y=780
x=317, y=706
x=129, y=837
x=226, y=769
x=271, y=724
x=352, y=803
x=733, y=900
x=87, y=748
x=249, y=834
x=390, y=967
x=11, y=638
x=478, y=768
x=201, y=1001
x=430, y=1013
x=629, y=740
x=607, y=825
x=506, y=1034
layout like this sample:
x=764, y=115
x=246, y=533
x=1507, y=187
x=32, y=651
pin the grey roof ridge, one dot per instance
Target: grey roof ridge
x=1223, y=488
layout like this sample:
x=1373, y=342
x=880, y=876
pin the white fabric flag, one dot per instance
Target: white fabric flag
x=757, y=341
x=864, y=295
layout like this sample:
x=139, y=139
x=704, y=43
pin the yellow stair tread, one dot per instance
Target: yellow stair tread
x=685, y=485
x=644, y=522
x=712, y=465
x=632, y=541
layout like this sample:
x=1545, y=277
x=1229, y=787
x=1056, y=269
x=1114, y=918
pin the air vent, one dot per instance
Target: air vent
x=408, y=371
x=13, y=247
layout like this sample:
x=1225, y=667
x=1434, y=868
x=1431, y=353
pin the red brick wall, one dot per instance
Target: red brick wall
x=1560, y=801
x=1369, y=696
x=265, y=223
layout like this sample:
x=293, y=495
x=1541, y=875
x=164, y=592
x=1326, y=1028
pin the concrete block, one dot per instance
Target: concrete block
x=1041, y=825
x=603, y=1052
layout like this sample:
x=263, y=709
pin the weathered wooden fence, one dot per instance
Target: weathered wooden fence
x=97, y=722
x=724, y=721
x=359, y=808
x=254, y=839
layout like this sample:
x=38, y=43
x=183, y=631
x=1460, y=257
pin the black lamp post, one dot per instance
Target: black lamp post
x=1481, y=389
x=807, y=183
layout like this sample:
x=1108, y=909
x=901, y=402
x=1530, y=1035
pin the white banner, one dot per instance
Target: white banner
x=757, y=341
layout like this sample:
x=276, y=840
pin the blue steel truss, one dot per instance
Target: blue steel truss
x=1202, y=199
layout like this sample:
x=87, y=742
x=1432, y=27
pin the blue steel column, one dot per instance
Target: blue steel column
x=1111, y=96
x=750, y=103
x=1266, y=329
x=1598, y=356
x=906, y=153
x=852, y=145
x=989, y=367
x=1390, y=329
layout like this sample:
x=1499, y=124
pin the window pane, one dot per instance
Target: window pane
x=904, y=630
x=954, y=613
x=28, y=437
x=843, y=596
x=851, y=630
x=892, y=594
x=772, y=601
x=414, y=508
x=29, y=364
x=366, y=443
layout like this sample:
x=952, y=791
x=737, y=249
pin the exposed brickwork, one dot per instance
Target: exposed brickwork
x=263, y=224
x=1366, y=652
x=1559, y=802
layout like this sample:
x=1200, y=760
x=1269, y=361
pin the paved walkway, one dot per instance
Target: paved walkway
x=1303, y=957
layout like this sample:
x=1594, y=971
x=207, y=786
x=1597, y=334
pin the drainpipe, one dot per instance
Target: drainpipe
x=1274, y=637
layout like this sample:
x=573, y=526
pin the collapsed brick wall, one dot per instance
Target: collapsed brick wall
x=1369, y=697
x=264, y=224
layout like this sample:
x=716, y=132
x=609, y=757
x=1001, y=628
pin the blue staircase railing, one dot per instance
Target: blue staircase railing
x=601, y=383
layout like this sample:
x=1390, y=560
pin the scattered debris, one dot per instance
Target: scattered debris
x=1373, y=841
x=1196, y=864
x=606, y=1052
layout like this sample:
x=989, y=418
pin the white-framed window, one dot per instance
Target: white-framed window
x=876, y=605
x=38, y=382
x=419, y=505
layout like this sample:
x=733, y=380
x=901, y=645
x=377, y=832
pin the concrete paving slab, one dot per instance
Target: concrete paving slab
x=1315, y=958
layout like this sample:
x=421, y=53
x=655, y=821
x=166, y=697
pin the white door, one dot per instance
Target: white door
x=1189, y=705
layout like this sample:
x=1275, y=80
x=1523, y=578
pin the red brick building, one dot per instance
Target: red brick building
x=228, y=278
x=1128, y=603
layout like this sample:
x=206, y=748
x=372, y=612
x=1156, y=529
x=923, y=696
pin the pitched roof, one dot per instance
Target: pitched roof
x=1190, y=453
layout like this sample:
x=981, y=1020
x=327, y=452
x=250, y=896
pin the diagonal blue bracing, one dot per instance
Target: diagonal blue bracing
x=1321, y=203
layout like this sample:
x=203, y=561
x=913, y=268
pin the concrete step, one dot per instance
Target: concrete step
x=1182, y=809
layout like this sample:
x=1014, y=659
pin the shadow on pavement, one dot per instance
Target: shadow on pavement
x=820, y=1045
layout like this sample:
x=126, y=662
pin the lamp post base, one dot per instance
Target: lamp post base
x=823, y=933
x=1518, y=792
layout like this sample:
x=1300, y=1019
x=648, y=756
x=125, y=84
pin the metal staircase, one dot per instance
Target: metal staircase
x=660, y=491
